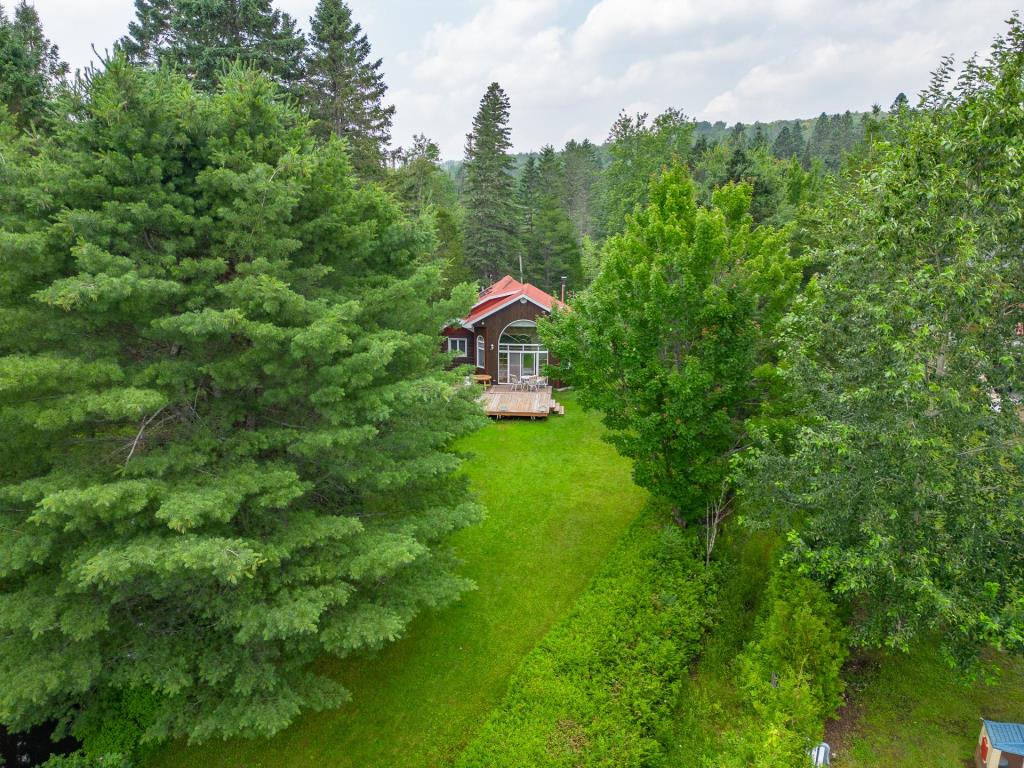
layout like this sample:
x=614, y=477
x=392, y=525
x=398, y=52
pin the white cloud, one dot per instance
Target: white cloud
x=569, y=66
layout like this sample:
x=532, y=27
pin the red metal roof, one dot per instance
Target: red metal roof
x=506, y=291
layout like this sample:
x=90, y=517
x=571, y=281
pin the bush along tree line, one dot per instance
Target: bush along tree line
x=600, y=687
x=851, y=381
x=227, y=454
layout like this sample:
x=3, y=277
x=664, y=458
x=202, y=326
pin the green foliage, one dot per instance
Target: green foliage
x=202, y=37
x=904, y=488
x=344, y=88
x=551, y=250
x=492, y=244
x=638, y=153
x=117, y=722
x=30, y=66
x=582, y=163
x=599, y=688
x=666, y=341
x=81, y=760
x=424, y=190
x=229, y=417
x=789, y=675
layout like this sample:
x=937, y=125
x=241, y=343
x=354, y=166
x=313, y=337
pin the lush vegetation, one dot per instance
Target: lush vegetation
x=598, y=690
x=230, y=479
x=666, y=341
x=558, y=499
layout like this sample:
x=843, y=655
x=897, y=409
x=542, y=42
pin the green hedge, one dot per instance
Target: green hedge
x=600, y=687
x=789, y=675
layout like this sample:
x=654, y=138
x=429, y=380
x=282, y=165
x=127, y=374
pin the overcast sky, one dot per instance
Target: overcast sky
x=569, y=66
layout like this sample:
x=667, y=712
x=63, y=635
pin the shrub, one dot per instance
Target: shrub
x=81, y=760
x=789, y=675
x=600, y=687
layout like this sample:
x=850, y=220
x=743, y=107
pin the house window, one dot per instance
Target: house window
x=458, y=346
x=480, y=351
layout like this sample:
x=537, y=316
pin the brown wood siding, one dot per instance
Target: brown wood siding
x=491, y=327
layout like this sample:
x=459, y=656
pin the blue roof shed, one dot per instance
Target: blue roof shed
x=1006, y=737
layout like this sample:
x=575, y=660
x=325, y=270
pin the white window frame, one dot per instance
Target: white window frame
x=459, y=345
x=481, y=351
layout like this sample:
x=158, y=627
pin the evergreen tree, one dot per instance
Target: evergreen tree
x=427, y=191
x=201, y=37
x=527, y=197
x=226, y=418
x=344, y=88
x=582, y=168
x=492, y=246
x=555, y=251
x=30, y=66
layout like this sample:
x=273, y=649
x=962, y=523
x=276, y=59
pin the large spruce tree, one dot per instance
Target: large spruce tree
x=201, y=37
x=30, y=66
x=225, y=413
x=345, y=88
x=492, y=244
x=554, y=251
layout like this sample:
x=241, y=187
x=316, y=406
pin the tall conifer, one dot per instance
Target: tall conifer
x=492, y=244
x=225, y=413
x=345, y=87
x=201, y=37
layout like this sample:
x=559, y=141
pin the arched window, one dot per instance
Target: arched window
x=520, y=352
x=480, y=346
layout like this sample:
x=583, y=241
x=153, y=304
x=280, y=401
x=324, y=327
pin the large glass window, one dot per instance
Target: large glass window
x=520, y=352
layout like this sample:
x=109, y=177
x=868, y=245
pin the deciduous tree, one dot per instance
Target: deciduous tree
x=666, y=340
x=904, y=489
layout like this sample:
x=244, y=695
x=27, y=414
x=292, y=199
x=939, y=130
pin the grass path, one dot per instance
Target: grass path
x=558, y=500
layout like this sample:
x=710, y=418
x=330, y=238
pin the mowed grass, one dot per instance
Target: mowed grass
x=558, y=499
x=912, y=710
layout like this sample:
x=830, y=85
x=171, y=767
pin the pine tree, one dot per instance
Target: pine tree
x=30, y=66
x=344, y=88
x=201, y=37
x=556, y=251
x=226, y=418
x=492, y=245
x=582, y=168
x=527, y=192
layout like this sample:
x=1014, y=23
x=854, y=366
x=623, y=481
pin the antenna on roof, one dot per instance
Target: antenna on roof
x=564, y=278
x=521, y=280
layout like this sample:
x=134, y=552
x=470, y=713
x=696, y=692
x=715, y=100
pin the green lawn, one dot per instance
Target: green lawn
x=911, y=710
x=558, y=500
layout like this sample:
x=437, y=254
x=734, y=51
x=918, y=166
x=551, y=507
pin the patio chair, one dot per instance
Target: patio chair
x=540, y=382
x=514, y=382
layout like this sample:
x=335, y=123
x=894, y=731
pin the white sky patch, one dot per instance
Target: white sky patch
x=570, y=66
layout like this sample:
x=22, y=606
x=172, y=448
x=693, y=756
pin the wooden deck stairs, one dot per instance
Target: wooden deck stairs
x=502, y=401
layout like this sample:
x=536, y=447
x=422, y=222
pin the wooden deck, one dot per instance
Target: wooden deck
x=501, y=401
